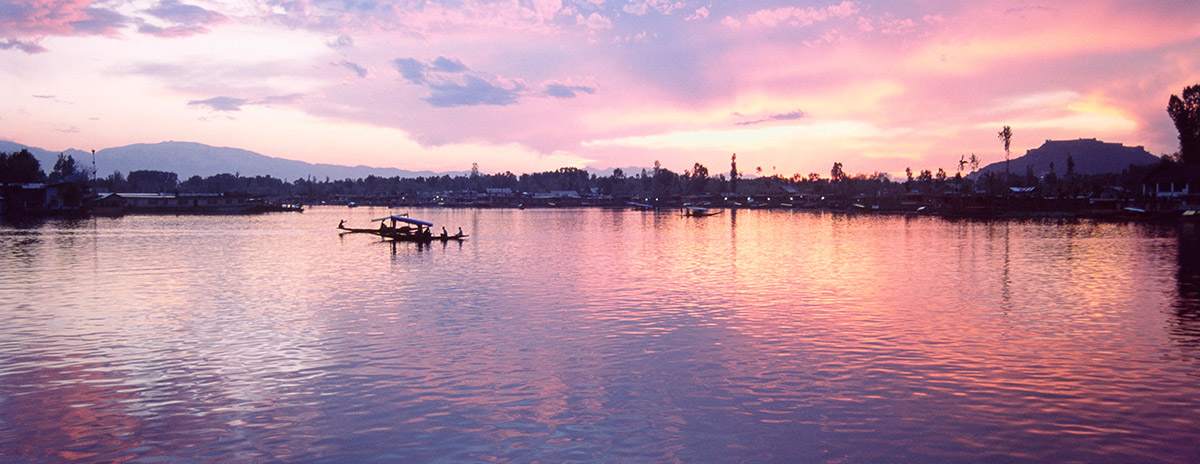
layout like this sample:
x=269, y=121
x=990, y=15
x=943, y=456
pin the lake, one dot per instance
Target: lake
x=595, y=335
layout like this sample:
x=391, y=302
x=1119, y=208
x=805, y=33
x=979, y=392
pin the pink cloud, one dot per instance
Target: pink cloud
x=35, y=19
x=793, y=16
x=595, y=21
x=547, y=9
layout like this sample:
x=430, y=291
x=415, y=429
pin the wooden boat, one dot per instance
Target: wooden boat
x=412, y=230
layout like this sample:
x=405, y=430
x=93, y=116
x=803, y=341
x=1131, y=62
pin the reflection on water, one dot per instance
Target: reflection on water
x=1187, y=306
x=598, y=335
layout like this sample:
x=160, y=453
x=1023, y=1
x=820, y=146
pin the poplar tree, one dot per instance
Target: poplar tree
x=1186, y=114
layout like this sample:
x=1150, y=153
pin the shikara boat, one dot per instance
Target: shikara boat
x=402, y=228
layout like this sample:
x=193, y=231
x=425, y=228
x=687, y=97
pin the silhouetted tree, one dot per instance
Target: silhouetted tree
x=65, y=170
x=20, y=168
x=837, y=174
x=115, y=182
x=1005, y=135
x=698, y=178
x=665, y=182
x=1186, y=114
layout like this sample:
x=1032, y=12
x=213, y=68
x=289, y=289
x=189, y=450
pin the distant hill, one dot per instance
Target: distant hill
x=47, y=158
x=189, y=159
x=1091, y=156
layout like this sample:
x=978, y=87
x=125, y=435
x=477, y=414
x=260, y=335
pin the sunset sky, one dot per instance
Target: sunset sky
x=536, y=85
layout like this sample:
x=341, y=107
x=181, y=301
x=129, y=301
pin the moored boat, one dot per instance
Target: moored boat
x=699, y=211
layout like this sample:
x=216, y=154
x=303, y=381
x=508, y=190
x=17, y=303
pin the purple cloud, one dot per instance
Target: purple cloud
x=231, y=104
x=448, y=65
x=410, y=69
x=361, y=71
x=474, y=91
x=452, y=83
x=278, y=99
x=181, y=13
x=342, y=42
x=567, y=91
x=27, y=47
x=188, y=20
x=98, y=21
x=221, y=103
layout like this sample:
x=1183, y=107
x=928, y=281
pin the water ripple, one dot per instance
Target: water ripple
x=595, y=335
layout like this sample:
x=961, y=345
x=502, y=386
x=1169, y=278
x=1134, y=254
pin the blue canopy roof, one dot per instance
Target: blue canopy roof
x=404, y=219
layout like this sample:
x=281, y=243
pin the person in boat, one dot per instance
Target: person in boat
x=460, y=231
x=342, y=224
x=444, y=235
x=405, y=229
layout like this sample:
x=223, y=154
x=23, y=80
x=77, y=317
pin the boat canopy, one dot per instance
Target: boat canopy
x=697, y=208
x=404, y=219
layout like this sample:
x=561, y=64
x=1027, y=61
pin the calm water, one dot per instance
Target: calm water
x=596, y=335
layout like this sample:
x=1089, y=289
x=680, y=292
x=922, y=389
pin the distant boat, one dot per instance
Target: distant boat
x=698, y=211
x=402, y=228
x=641, y=206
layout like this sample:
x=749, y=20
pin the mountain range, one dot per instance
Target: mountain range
x=1091, y=156
x=187, y=159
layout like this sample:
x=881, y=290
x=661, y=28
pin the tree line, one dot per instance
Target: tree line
x=656, y=182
